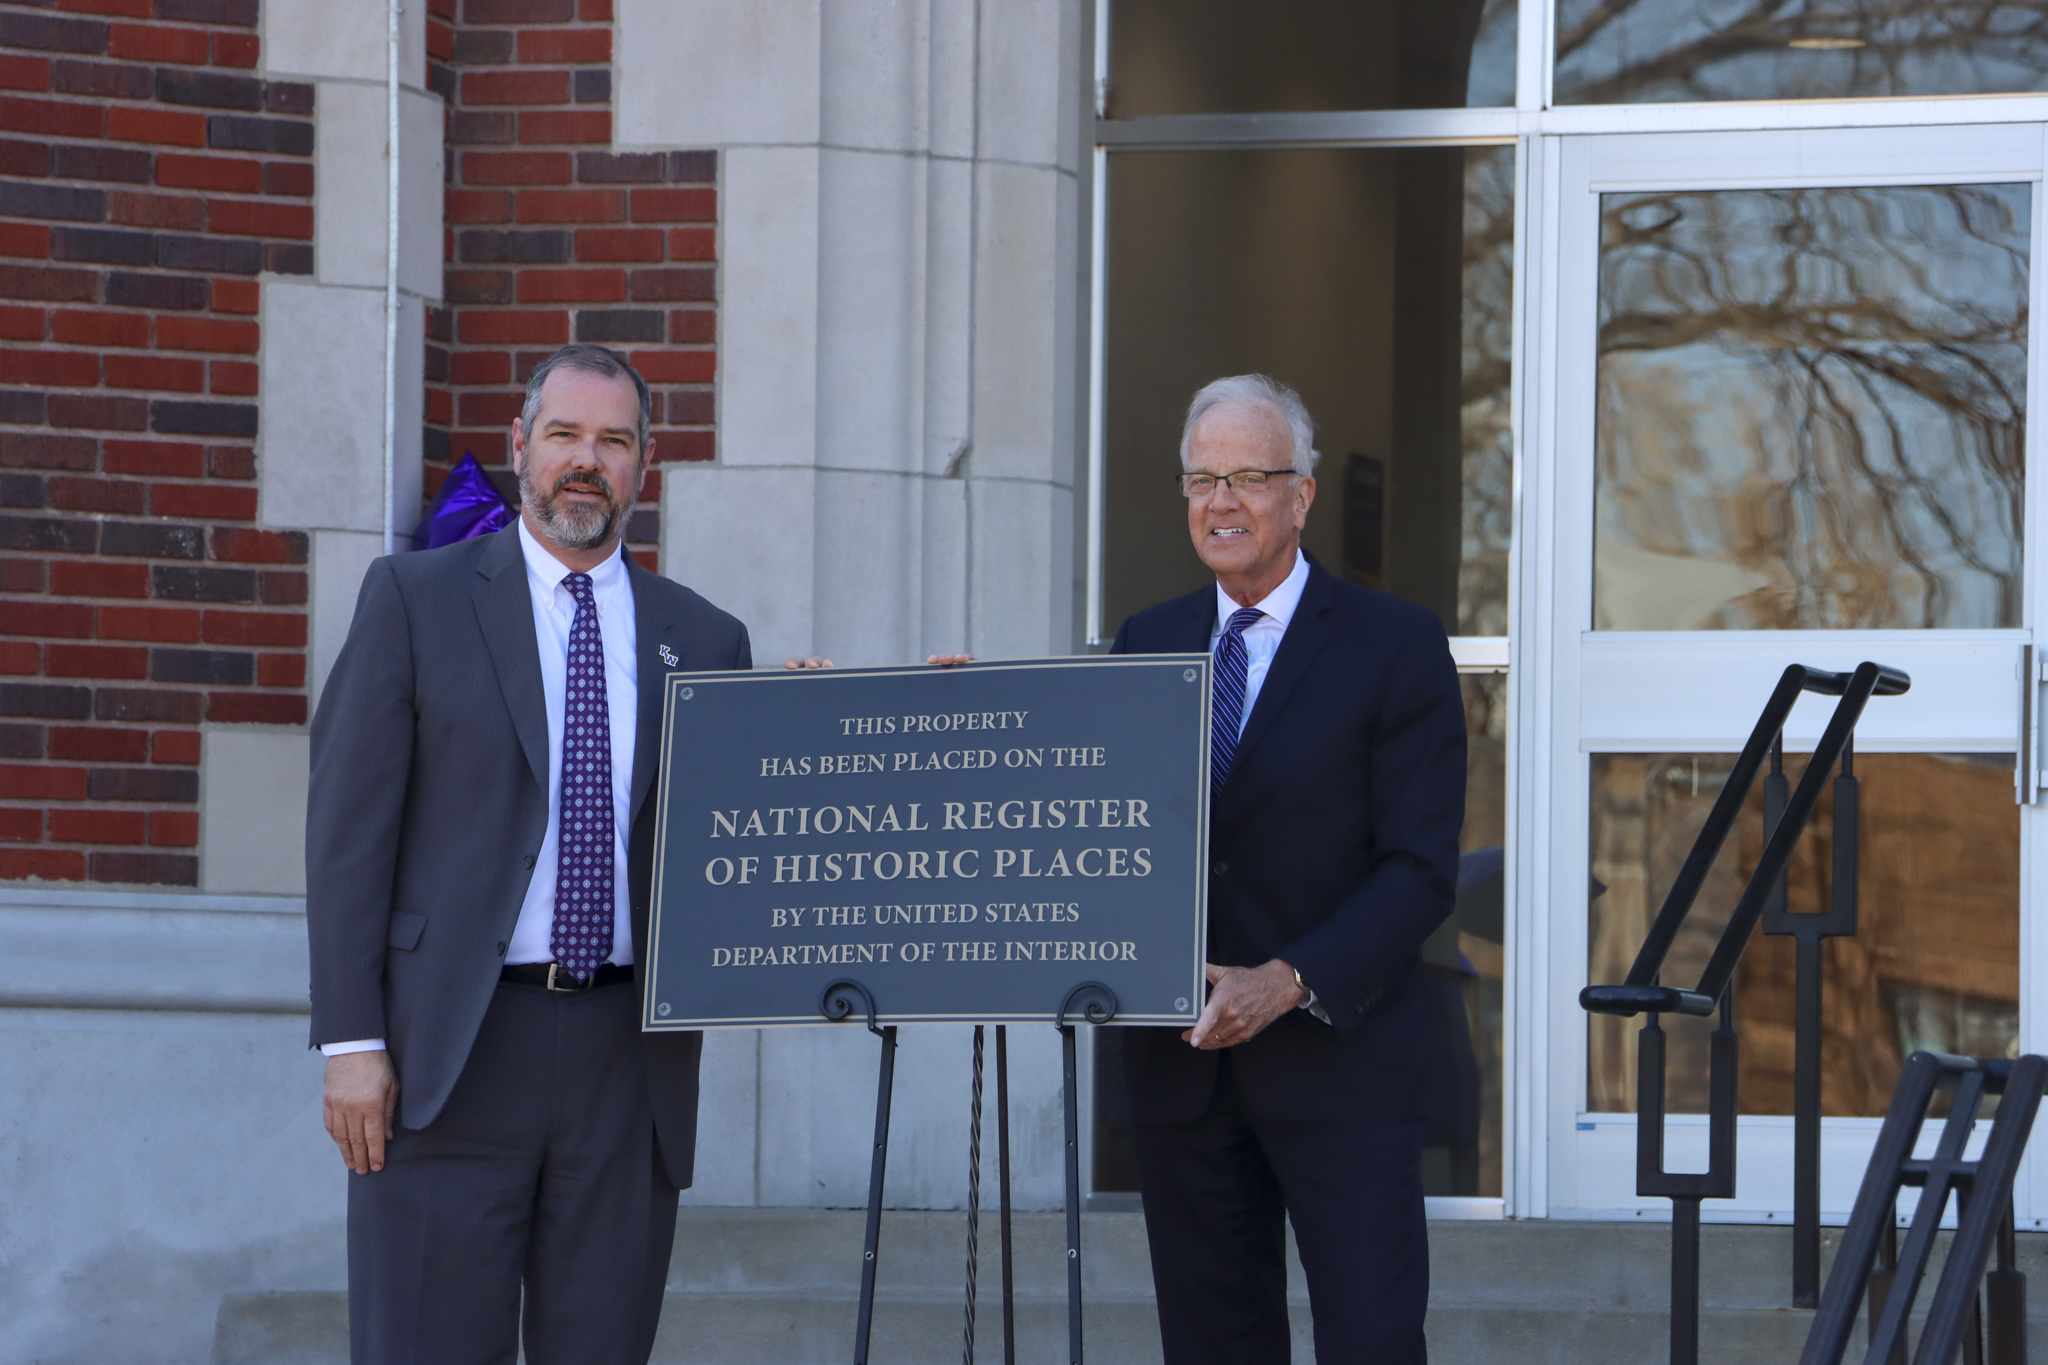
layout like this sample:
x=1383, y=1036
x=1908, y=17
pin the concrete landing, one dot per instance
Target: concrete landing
x=779, y=1287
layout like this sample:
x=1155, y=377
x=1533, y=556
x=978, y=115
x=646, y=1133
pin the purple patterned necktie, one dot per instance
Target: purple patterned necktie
x=582, y=935
x=1233, y=668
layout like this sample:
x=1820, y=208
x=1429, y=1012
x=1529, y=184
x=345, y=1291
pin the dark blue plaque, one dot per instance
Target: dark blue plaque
x=968, y=843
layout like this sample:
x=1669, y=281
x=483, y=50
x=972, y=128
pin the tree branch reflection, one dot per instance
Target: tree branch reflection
x=1622, y=51
x=1826, y=390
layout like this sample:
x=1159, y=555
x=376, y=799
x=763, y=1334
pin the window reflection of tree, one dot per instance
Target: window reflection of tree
x=1487, y=502
x=1824, y=387
x=1619, y=51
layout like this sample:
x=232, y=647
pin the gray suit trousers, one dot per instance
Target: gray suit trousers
x=540, y=1180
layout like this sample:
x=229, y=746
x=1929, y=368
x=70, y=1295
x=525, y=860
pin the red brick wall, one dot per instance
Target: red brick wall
x=146, y=178
x=552, y=237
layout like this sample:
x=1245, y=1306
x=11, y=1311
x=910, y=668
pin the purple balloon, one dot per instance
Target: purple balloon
x=468, y=505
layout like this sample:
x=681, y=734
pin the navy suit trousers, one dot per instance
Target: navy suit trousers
x=1219, y=1193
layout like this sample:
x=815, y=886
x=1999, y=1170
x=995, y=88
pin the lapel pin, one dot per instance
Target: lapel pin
x=667, y=657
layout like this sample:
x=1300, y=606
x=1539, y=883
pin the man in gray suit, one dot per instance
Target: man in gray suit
x=479, y=844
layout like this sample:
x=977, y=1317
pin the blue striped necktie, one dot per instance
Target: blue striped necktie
x=1226, y=716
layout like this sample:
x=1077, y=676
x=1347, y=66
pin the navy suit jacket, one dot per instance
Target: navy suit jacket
x=1334, y=845
x=429, y=800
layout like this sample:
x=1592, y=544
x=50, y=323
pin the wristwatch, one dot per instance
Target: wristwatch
x=1307, y=995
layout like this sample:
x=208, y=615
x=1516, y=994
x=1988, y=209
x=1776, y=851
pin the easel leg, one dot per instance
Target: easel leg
x=883, y=1085
x=1003, y=1180
x=973, y=1206
x=1073, y=1195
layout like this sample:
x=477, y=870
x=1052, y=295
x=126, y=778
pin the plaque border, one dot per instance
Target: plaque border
x=652, y=1022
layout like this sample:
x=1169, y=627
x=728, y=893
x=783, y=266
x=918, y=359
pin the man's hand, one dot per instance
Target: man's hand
x=362, y=1095
x=942, y=660
x=1242, y=1001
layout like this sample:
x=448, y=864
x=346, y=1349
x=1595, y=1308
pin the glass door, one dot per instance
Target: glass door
x=1788, y=397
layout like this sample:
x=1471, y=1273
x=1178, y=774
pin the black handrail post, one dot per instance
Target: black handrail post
x=1685, y=1279
x=1807, y=932
x=1983, y=1189
x=1806, y=1056
x=2005, y=1299
x=1763, y=899
x=1873, y=1222
x=1685, y=1206
x=1987, y=1186
x=1881, y=1279
x=1687, y=1189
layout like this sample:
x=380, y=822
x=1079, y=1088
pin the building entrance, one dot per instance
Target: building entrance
x=1791, y=380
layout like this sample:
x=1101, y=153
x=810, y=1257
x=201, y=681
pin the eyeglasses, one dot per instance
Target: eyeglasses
x=1243, y=481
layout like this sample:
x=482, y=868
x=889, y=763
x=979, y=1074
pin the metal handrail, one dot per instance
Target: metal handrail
x=1644, y=993
x=1641, y=993
x=1984, y=1222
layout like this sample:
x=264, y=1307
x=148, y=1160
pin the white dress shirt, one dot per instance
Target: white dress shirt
x=554, y=612
x=1262, y=637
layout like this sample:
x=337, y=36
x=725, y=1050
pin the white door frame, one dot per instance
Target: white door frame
x=1573, y=692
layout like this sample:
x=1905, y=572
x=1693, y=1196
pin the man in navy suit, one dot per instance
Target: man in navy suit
x=1338, y=789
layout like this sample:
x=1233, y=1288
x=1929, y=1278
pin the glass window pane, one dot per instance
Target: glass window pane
x=1811, y=408
x=1465, y=961
x=1934, y=965
x=1376, y=282
x=1233, y=57
x=1628, y=51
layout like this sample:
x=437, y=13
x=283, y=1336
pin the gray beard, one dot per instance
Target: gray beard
x=569, y=525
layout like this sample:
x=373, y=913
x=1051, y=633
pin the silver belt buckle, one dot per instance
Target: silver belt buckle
x=555, y=968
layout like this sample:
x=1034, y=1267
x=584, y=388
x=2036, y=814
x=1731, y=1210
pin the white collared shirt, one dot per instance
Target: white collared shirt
x=1262, y=637
x=554, y=612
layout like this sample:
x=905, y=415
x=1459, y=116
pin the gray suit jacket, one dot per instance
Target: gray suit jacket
x=429, y=803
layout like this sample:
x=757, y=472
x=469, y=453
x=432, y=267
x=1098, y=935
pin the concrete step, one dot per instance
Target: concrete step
x=780, y=1287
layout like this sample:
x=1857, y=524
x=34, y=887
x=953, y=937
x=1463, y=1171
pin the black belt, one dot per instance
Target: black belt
x=556, y=977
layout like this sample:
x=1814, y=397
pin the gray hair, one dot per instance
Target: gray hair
x=1261, y=391
x=581, y=355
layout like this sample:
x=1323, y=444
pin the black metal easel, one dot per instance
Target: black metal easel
x=1003, y=1182
x=1092, y=1001
x=835, y=1004
x=1097, y=1004
x=1003, y=1195
x=973, y=1204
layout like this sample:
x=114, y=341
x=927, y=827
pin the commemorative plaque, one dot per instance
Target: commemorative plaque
x=968, y=844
